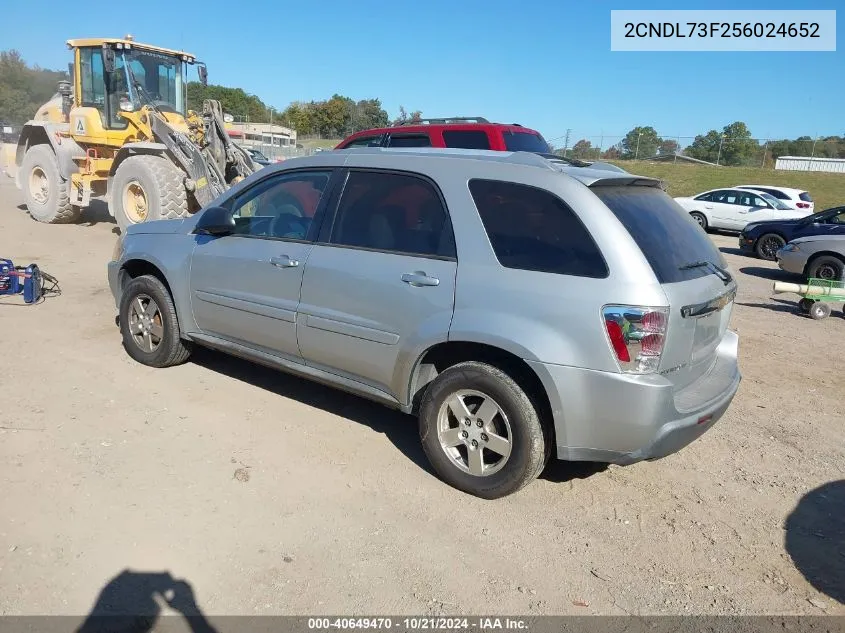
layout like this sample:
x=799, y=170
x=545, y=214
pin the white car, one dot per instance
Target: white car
x=732, y=208
x=794, y=198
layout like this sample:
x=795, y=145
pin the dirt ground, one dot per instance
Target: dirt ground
x=272, y=495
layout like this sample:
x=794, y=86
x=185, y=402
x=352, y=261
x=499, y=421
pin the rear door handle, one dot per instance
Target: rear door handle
x=284, y=262
x=419, y=278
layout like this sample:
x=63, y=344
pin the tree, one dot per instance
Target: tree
x=404, y=117
x=23, y=89
x=705, y=147
x=738, y=148
x=641, y=142
x=582, y=149
x=668, y=147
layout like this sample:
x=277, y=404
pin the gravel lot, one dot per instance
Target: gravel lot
x=272, y=495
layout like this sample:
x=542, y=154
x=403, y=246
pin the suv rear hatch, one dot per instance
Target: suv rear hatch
x=690, y=269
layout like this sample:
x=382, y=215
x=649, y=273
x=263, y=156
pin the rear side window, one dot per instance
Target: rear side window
x=525, y=142
x=364, y=141
x=410, y=140
x=393, y=212
x=466, y=139
x=806, y=197
x=668, y=237
x=531, y=229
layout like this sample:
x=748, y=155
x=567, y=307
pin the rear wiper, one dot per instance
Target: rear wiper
x=721, y=273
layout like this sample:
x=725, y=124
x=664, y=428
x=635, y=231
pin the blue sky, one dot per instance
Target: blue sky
x=545, y=64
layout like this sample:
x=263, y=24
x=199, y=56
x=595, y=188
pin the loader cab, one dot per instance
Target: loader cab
x=117, y=76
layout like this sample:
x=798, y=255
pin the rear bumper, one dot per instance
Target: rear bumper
x=623, y=419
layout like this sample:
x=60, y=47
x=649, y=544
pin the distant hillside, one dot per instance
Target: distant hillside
x=24, y=89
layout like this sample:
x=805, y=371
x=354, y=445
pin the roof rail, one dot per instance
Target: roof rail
x=455, y=119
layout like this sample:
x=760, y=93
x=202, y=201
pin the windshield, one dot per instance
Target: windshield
x=525, y=142
x=160, y=76
x=777, y=204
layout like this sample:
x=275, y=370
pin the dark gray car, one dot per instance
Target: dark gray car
x=520, y=308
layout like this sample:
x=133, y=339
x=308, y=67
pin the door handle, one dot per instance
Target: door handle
x=708, y=206
x=284, y=262
x=419, y=278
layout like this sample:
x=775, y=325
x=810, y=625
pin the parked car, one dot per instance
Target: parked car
x=793, y=198
x=457, y=132
x=520, y=308
x=732, y=208
x=814, y=256
x=765, y=238
x=257, y=156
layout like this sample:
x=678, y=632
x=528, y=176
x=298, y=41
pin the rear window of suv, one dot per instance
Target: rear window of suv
x=668, y=237
x=524, y=142
x=806, y=197
x=532, y=229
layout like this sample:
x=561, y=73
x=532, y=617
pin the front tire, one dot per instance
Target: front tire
x=700, y=219
x=768, y=245
x=480, y=431
x=826, y=267
x=44, y=190
x=149, y=326
x=147, y=188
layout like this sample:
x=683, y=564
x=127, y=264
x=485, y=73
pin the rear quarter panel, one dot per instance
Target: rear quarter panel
x=541, y=316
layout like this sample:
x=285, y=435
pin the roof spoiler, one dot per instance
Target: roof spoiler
x=627, y=180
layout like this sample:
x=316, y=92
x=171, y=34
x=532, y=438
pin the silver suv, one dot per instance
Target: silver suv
x=519, y=307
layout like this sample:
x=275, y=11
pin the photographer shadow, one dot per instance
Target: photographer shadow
x=127, y=604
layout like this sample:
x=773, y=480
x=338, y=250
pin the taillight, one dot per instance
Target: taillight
x=802, y=205
x=637, y=336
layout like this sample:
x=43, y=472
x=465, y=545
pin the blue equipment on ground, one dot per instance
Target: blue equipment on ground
x=26, y=280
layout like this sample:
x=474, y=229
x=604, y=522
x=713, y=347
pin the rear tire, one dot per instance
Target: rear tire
x=147, y=188
x=826, y=267
x=480, y=389
x=768, y=245
x=819, y=310
x=700, y=219
x=148, y=324
x=44, y=190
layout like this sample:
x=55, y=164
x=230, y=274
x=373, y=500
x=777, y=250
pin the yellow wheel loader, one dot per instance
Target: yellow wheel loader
x=120, y=130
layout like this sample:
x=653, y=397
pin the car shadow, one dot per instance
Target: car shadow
x=735, y=251
x=781, y=306
x=815, y=538
x=559, y=471
x=774, y=274
x=131, y=602
x=400, y=429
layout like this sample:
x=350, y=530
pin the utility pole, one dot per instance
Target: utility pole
x=637, y=153
x=719, y=155
x=566, y=142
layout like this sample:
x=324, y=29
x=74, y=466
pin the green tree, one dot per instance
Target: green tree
x=667, y=147
x=705, y=147
x=582, y=149
x=738, y=148
x=641, y=142
x=23, y=89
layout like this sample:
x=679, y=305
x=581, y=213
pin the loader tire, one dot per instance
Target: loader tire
x=44, y=190
x=147, y=188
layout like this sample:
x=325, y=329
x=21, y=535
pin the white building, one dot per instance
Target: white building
x=258, y=134
x=807, y=163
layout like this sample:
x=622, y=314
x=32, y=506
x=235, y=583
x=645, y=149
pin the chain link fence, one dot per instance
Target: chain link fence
x=716, y=149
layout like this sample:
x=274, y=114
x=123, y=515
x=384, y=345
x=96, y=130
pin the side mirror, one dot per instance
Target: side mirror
x=108, y=58
x=202, y=71
x=216, y=221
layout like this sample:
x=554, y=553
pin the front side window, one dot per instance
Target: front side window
x=532, y=229
x=393, y=212
x=752, y=200
x=466, y=139
x=364, y=141
x=281, y=207
x=410, y=140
